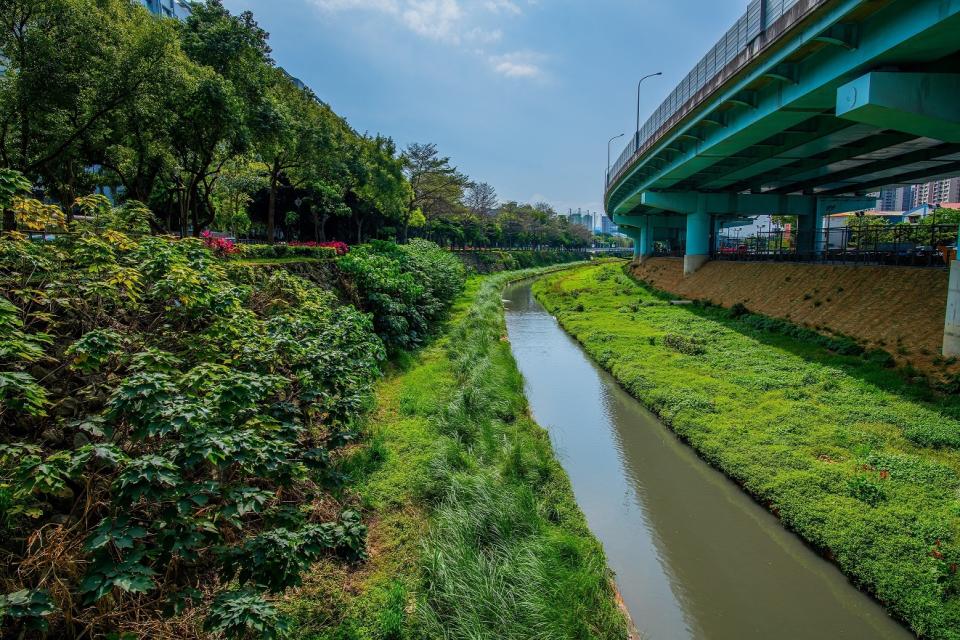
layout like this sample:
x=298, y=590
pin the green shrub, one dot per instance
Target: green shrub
x=866, y=490
x=267, y=251
x=495, y=261
x=408, y=288
x=192, y=420
x=684, y=344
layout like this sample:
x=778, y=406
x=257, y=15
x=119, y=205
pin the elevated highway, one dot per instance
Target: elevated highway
x=802, y=108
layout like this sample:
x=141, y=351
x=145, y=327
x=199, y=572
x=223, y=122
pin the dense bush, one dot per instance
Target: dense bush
x=267, y=251
x=342, y=248
x=408, y=288
x=166, y=432
x=495, y=261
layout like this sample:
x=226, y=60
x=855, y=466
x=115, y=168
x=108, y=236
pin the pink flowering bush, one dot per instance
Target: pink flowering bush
x=222, y=247
x=341, y=248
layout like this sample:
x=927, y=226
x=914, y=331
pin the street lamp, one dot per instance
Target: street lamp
x=609, y=142
x=637, y=134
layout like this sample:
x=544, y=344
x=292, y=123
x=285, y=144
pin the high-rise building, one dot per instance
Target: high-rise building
x=896, y=198
x=168, y=8
x=937, y=192
x=608, y=226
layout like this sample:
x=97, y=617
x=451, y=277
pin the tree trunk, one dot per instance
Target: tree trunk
x=272, y=203
x=322, y=228
x=9, y=220
x=359, y=230
x=272, y=211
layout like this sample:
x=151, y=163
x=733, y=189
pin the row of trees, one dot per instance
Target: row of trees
x=195, y=119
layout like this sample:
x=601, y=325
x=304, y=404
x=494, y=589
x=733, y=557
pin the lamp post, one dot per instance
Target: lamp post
x=637, y=134
x=609, y=142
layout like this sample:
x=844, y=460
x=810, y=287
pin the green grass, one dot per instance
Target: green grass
x=856, y=458
x=475, y=531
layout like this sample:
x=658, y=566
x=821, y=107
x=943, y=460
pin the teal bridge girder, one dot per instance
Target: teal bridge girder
x=830, y=100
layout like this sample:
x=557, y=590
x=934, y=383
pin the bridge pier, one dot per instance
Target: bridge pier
x=642, y=236
x=809, y=234
x=698, y=239
x=951, y=327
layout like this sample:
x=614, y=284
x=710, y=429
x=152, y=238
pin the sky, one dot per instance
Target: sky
x=523, y=94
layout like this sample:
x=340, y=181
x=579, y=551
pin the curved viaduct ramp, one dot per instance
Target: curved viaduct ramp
x=801, y=109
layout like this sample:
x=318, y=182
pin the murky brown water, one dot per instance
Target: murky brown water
x=695, y=557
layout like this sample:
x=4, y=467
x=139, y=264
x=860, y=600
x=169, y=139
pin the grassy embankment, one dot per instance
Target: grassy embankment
x=858, y=460
x=474, y=531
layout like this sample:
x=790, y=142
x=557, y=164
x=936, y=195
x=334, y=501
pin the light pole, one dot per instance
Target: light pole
x=637, y=134
x=609, y=142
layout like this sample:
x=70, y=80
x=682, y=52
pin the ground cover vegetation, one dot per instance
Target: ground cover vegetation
x=495, y=261
x=860, y=459
x=171, y=425
x=194, y=119
x=478, y=534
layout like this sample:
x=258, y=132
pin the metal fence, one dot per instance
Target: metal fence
x=760, y=15
x=904, y=245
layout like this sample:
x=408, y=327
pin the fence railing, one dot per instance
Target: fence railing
x=905, y=245
x=759, y=16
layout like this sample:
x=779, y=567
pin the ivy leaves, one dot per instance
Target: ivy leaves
x=28, y=608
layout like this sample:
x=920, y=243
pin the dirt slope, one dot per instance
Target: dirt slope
x=900, y=309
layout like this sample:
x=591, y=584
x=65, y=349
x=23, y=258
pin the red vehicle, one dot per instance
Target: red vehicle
x=738, y=250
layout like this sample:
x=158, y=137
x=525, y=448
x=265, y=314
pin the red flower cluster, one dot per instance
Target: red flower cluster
x=220, y=246
x=340, y=247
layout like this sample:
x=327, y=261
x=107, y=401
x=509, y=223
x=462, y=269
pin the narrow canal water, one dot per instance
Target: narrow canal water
x=695, y=557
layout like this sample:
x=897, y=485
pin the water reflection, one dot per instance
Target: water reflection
x=694, y=556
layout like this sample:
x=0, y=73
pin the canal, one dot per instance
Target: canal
x=694, y=556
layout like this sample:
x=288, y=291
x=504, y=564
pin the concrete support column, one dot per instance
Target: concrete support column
x=634, y=233
x=645, y=244
x=951, y=327
x=806, y=234
x=698, y=239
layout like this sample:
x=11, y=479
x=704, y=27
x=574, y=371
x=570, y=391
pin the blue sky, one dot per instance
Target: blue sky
x=523, y=94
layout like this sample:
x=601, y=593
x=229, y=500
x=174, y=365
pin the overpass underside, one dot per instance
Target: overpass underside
x=831, y=101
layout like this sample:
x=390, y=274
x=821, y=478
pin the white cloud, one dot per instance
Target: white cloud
x=478, y=35
x=435, y=19
x=454, y=22
x=506, y=6
x=519, y=64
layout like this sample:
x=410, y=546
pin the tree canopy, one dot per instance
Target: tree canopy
x=195, y=119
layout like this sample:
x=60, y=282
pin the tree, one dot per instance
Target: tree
x=239, y=179
x=437, y=187
x=324, y=201
x=70, y=66
x=287, y=137
x=220, y=110
x=481, y=199
x=380, y=187
x=136, y=151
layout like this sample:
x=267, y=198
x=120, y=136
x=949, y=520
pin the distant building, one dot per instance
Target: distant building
x=936, y=192
x=581, y=219
x=896, y=198
x=168, y=8
x=608, y=227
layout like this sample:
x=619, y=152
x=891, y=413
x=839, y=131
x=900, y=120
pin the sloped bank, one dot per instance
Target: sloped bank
x=898, y=309
x=475, y=532
x=862, y=464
